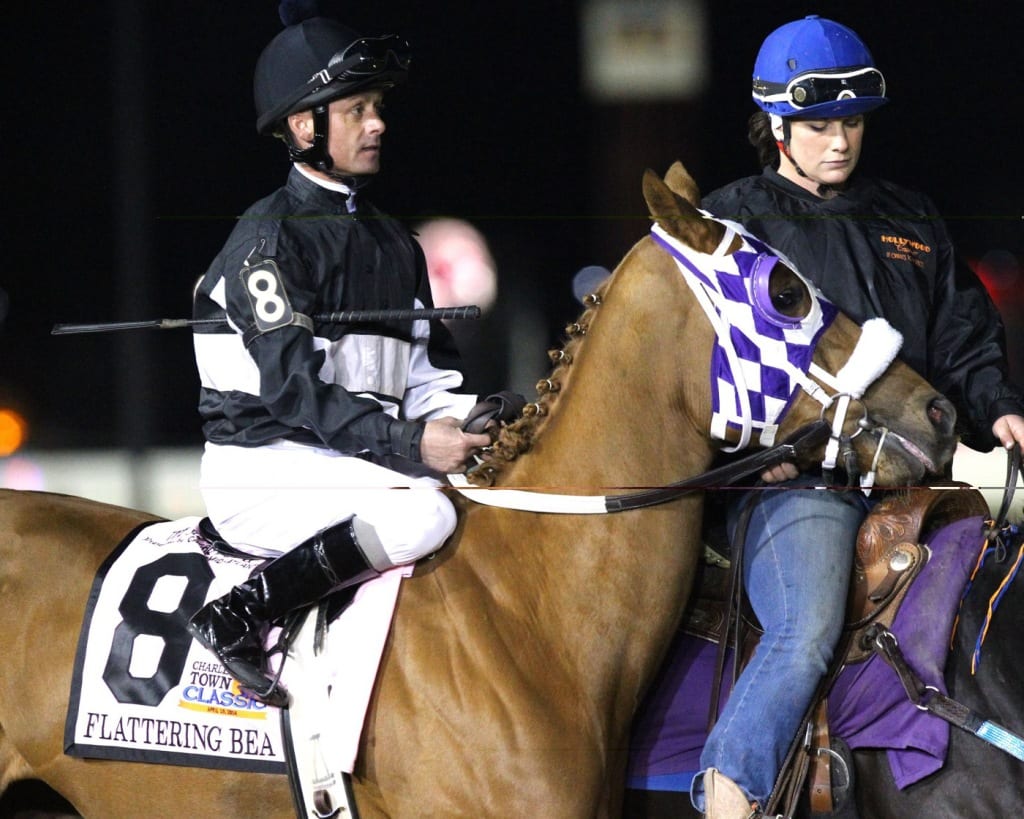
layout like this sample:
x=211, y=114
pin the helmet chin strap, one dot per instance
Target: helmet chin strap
x=781, y=130
x=316, y=155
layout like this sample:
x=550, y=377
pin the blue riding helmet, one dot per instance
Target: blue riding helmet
x=816, y=68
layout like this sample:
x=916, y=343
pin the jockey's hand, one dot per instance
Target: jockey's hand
x=1009, y=429
x=446, y=448
x=780, y=472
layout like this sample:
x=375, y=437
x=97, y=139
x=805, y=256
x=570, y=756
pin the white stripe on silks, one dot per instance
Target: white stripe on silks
x=224, y=364
x=366, y=363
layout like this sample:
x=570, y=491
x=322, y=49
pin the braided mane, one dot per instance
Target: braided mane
x=518, y=437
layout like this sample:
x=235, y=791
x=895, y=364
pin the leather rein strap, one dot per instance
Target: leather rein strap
x=795, y=448
x=1013, y=466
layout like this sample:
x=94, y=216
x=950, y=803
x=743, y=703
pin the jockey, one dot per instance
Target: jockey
x=310, y=425
x=876, y=250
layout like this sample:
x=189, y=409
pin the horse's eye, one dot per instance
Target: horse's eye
x=783, y=299
x=788, y=300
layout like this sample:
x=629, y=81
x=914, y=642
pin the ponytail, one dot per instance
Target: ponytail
x=759, y=134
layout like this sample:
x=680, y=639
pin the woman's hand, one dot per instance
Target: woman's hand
x=1009, y=429
x=780, y=472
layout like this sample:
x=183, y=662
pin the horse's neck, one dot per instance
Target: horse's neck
x=622, y=422
x=636, y=407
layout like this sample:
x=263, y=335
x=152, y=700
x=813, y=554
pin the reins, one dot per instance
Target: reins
x=797, y=447
x=1013, y=465
x=794, y=448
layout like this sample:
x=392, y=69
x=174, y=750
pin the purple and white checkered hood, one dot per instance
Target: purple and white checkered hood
x=761, y=357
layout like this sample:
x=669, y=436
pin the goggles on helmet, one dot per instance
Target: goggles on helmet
x=366, y=57
x=815, y=88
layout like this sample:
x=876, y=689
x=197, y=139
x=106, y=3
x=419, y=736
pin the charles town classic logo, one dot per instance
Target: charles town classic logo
x=206, y=687
x=905, y=249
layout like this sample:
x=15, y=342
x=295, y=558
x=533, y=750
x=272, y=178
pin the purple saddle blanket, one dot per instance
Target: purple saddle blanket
x=867, y=707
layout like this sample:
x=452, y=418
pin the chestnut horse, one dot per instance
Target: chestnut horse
x=519, y=653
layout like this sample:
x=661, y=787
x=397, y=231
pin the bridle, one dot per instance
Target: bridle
x=707, y=275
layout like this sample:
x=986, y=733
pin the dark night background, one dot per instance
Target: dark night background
x=130, y=146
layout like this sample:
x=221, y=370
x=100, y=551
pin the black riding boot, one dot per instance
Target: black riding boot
x=233, y=626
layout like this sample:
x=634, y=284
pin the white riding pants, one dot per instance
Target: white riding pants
x=266, y=500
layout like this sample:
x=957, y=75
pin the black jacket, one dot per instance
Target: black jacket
x=355, y=388
x=880, y=250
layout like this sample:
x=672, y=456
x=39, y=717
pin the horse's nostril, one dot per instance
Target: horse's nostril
x=941, y=414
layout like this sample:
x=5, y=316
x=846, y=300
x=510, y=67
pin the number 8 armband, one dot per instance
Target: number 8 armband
x=271, y=308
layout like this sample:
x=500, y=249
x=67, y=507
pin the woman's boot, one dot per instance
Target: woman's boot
x=724, y=799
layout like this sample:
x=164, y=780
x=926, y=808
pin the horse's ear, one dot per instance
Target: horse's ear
x=677, y=216
x=679, y=180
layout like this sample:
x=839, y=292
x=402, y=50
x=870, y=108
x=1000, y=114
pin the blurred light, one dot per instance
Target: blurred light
x=1000, y=272
x=644, y=49
x=21, y=473
x=13, y=430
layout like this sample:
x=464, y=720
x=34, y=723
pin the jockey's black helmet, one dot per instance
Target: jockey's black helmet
x=319, y=60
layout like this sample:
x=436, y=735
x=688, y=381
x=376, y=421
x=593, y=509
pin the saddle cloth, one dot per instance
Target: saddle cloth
x=867, y=706
x=144, y=691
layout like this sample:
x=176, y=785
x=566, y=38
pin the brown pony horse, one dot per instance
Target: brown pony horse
x=518, y=654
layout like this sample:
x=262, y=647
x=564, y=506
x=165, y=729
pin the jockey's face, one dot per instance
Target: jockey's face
x=355, y=131
x=827, y=150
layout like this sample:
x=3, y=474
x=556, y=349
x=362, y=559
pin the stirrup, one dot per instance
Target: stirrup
x=276, y=695
x=273, y=693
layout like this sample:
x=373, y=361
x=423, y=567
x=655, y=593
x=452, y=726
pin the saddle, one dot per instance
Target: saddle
x=889, y=555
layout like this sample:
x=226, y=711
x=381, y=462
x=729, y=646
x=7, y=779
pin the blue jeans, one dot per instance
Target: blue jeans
x=797, y=560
